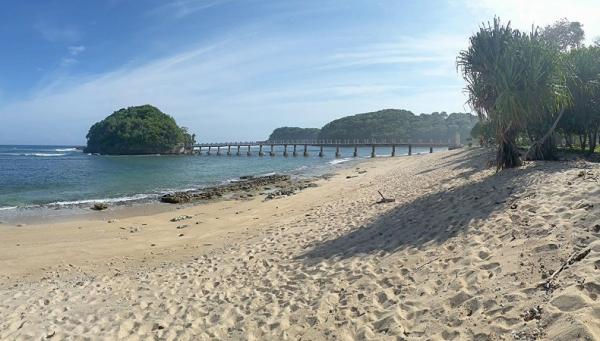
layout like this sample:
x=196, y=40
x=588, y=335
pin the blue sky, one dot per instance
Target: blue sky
x=234, y=70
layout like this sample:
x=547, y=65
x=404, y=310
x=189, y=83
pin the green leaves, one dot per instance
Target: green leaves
x=515, y=80
x=137, y=130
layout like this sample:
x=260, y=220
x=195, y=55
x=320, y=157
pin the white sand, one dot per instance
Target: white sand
x=459, y=255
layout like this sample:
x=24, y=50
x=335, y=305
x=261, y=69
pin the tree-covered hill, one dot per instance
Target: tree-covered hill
x=392, y=124
x=138, y=130
x=294, y=133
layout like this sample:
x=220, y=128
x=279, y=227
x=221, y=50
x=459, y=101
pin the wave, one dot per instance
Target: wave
x=5, y=208
x=136, y=197
x=338, y=161
x=66, y=150
x=44, y=154
x=33, y=154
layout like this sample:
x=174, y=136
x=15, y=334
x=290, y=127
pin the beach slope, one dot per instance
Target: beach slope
x=462, y=253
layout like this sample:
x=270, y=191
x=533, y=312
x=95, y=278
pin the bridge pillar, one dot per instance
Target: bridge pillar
x=199, y=150
x=285, y=150
x=208, y=153
x=321, y=151
x=305, y=150
x=228, y=150
x=248, y=152
x=272, y=153
x=260, y=152
x=218, y=150
x=394, y=150
x=238, y=150
x=409, y=149
x=372, y=150
x=430, y=149
x=337, y=151
x=295, y=154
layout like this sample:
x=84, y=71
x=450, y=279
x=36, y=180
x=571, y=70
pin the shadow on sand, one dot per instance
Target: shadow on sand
x=436, y=217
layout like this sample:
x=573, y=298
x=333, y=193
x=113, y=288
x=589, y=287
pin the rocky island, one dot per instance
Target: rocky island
x=138, y=130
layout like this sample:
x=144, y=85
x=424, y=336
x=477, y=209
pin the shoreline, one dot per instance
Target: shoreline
x=459, y=254
x=131, y=205
x=120, y=219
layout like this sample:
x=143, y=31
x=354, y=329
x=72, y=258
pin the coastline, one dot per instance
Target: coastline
x=146, y=203
x=459, y=254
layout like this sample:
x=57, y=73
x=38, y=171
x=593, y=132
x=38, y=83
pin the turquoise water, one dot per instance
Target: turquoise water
x=60, y=176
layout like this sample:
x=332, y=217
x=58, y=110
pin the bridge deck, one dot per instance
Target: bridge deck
x=323, y=144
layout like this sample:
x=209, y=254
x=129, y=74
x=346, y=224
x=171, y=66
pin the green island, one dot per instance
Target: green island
x=138, y=130
x=386, y=124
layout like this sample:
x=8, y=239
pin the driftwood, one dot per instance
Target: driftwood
x=575, y=257
x=384, y=200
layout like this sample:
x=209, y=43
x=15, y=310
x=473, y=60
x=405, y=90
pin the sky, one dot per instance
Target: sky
x=233, y=70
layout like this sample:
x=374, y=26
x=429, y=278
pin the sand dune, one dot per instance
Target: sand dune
x=459, y=255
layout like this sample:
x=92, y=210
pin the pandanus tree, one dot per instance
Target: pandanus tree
x=583, y=117
x=514, y=80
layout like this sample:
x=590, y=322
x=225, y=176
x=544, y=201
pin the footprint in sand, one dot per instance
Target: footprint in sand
x=568, y=302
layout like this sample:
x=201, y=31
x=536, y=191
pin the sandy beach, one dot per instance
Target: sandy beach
x=462, y=253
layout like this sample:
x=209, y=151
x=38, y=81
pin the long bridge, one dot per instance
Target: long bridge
x=304, y=144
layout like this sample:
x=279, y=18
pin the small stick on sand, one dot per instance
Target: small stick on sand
x=575, y=257
x=384, y=199
x=428, y=262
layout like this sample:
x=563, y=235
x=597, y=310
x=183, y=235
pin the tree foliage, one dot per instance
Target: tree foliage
x=582, y=119
x=294, y=133
x=138, y=130
x=564, y=34
x=399, y=125
x=516, y=81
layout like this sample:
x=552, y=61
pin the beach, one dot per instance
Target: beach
x=461, y=253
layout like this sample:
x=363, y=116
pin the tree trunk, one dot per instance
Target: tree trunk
x=568, y=140
x=507, y=155
x=593, y=139
x=543, y=151
x=583, y=141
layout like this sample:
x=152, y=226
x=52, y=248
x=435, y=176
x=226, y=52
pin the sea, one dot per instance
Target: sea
x=57, y=177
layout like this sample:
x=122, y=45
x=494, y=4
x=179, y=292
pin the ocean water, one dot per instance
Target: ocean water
x=63, y=176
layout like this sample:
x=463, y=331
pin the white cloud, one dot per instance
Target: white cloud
x=406, y=50
x=241, y=89
x=75, y=50
x=58, y=34
x=525, y=13
x=183, y=8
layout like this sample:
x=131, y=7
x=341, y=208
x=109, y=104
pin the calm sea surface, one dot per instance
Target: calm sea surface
x=62, y=176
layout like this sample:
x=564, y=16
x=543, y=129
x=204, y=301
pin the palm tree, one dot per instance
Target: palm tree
x=513, y=80
x=584, y=116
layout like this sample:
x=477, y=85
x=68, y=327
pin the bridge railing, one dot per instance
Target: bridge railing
x=349, y=142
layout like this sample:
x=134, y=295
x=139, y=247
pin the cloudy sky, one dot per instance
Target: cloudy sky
x=236, y=69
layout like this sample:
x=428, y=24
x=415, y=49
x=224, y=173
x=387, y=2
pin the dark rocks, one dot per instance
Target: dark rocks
x=245, y=184
x=99, y=206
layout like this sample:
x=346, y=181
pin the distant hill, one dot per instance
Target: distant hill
x=294, y=133
x=389, y=124
x=138, y=130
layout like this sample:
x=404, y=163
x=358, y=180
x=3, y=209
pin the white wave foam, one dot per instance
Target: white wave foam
x=33, y=154
x=268, y=174
x=105, y=200
x=5, y=208
x=338, y=161
x=66, y=149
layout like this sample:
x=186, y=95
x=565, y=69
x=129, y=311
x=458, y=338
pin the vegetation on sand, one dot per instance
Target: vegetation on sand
x=530, y=87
